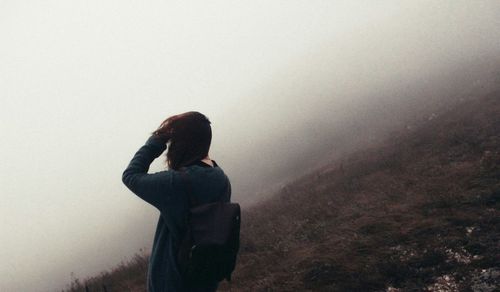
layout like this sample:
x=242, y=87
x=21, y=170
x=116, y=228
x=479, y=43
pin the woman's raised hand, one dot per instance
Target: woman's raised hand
x=166, y=128
x=164, y=131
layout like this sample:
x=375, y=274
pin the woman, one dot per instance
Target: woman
x=189, y=136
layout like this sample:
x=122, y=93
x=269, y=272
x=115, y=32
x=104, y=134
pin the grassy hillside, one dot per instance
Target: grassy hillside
x=419, y=212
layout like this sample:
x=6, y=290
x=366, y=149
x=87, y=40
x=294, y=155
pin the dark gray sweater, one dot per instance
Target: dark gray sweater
x=166, y=191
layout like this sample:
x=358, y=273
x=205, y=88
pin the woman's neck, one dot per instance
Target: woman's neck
x=208, y=161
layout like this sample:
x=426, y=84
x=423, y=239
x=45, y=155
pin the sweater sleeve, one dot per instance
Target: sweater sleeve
x=152, y=188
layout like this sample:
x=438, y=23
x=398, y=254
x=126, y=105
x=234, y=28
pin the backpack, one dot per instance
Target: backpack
x=207, y=252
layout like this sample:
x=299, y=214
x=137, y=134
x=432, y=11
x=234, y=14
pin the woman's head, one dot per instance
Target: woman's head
x=189, y=135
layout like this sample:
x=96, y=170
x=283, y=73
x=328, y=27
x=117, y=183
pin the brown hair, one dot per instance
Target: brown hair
x=189, y=134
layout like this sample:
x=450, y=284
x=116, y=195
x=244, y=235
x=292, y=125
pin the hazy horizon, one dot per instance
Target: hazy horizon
x=83, y=84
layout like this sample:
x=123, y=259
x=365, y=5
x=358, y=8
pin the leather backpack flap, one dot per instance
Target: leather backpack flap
x=215, y=223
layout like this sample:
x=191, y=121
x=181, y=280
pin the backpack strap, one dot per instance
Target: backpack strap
x=189, y=188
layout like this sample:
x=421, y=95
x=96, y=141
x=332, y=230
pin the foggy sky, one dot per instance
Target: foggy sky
x=83, y=83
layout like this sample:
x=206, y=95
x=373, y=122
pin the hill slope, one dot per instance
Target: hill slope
x=419, y=212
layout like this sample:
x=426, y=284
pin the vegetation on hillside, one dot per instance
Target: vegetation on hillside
x=419, y=212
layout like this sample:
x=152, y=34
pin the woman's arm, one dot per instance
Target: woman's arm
x=152, y=188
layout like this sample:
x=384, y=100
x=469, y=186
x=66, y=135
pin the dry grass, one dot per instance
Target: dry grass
x=127, y=276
